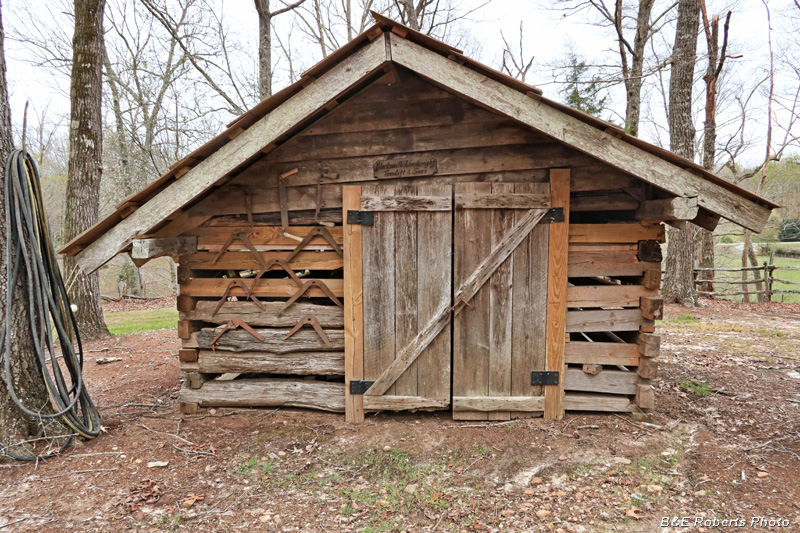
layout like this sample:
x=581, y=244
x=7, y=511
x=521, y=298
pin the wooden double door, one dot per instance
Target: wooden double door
x=453, y=286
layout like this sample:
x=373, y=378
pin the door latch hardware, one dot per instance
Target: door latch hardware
x=361, y=218
x=359, y=386
x=554, y=214
x=544, y=377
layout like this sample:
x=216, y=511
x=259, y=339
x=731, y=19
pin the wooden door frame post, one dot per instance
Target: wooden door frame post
x=557, y=294
x=353, y=305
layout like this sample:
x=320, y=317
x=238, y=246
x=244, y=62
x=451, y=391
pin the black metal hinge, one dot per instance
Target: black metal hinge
x=543, y=377
x=359, y=386
x=362, y=218
x=554, y=214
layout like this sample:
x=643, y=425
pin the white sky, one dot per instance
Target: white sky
x=547, y=36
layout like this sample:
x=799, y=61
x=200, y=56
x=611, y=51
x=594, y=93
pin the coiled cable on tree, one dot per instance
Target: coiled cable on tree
x=31, y=259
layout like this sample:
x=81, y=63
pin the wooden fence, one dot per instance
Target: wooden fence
x=761, y=285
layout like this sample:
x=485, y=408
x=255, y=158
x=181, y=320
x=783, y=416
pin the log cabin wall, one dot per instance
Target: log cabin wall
x=613, y=272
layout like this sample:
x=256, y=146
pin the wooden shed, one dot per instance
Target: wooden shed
x=407, y=229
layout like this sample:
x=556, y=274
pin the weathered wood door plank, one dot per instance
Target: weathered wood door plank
x=472, y=333
x=434, y=290
x=501, y=299
x=529, y=325
x=406, y=203
x=502, y=201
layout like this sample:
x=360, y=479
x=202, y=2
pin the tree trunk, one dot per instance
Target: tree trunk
x=679, y=268
x=14, y=425
x=705, y=238
x=85, y=159
x=634, y=77
x=704, y=244
x=758, y=288
x=410, y=15
x=265, y=16
x=264, y=49
x=745, y=248
x=173, y=276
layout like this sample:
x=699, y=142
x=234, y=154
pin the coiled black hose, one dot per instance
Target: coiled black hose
x=31, y=259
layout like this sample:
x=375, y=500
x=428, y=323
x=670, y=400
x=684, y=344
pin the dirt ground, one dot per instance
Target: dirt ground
x=723, y=445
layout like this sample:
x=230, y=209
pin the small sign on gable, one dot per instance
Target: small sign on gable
x=404, y=168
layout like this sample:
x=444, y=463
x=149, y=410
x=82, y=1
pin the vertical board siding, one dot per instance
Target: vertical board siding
x=434, y=278
x=405, y=282
x=529, y=321
x=471, y=336
x=379, y=289
x=500, y=299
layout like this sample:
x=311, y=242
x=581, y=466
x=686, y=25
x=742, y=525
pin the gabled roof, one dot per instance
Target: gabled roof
x=358, y=63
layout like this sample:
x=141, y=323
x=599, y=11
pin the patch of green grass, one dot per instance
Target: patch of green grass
x=699, y=388
x=331, y=479
x=303, y=433
x=686, y=319
x=255, y=465
x=269, y=437
x=348, y=509
x=167, y=518
x=124, y=322
x=480, y=449
x=581, y=471
x=396, y=481
x=377, y=525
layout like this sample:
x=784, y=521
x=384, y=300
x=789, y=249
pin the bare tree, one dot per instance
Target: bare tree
x=15, y=426
x=437, y=18
x=632, y=41
x=141, y=67
x=328, y=24
x=679, y=267
x=285, y=45
x=265, y=18
x=747, y=248
x=207, y=53
x=514, y=61
x=85, y=159
x=716, y=61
